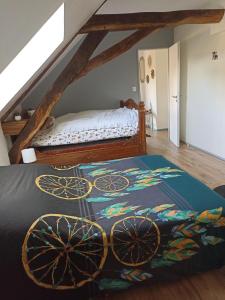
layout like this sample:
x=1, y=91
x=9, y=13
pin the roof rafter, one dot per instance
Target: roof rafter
x=70, y=74
x=74, y=67
x=116, y=50
x=36, y=80
x=130, y=21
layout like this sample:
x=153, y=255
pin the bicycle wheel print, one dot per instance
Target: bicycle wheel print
x=64, y=168
x=134, y=240
x=64, y=252
x=111, y=183
x=69, y=188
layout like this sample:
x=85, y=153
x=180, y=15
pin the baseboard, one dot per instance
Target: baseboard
x=206, y=152
x=162, y=129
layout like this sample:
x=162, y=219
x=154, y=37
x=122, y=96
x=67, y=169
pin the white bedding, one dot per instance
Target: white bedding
x=92, y=125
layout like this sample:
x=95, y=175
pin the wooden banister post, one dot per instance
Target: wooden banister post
x=142, y=127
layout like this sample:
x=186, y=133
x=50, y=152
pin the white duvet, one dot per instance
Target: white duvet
x=97, y=119
x=89, y=125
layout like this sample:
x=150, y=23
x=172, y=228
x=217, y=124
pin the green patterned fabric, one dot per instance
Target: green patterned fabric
x=72, y=232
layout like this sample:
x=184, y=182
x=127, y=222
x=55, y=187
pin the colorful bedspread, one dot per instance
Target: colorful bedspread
x=72, y=232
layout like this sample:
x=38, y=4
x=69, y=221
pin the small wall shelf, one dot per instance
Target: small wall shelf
x=13, y=127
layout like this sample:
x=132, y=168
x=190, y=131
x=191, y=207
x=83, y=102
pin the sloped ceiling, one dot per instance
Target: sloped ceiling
x=20, y=21
x=129, y=6
x=78, y=11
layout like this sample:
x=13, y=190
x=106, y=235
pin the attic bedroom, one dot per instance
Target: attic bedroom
x=112, y=157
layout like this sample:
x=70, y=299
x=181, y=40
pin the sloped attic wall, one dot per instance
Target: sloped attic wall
x=4, y=158
x=105, y=86
x=21, y=20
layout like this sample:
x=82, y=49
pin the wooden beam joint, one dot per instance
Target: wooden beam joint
x=134, y=21
x=74, y=67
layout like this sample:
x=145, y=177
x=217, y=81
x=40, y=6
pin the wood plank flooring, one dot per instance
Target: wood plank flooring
x=208, y=169
x=206, y=286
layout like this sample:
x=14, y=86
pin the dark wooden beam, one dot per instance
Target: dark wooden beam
x=78, y=67
x=131, y=21
x=116, y=50
x=75, y=66
x=36, y=80
x=142, y=20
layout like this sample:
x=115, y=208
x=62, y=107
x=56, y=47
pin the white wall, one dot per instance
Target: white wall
x=148, y=90
x=4, y=158
x=20, y=20
x=202, y=87
x=155, y=93
x=125, y=6
x=162, y=82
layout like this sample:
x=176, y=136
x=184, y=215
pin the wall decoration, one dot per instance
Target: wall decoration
x=147, y=78
x=149, y=61
x=152, y=73
x=215, y=55
x=142, y=69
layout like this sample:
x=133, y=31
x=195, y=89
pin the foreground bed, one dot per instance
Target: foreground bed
x=71, y=232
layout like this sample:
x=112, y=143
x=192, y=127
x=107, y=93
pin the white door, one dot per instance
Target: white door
x=174, y=94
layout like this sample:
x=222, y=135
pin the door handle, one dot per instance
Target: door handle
x=175, y=97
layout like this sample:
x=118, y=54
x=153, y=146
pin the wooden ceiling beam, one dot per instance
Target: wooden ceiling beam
x=74, y=67
x=36, y=80
x=132, y=21
x=116, y=50
x=78, y=67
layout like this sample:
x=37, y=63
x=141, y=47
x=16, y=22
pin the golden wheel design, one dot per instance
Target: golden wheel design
x=111, y=183
x=134, y=240
x=63, y=252
x=69, y=188
x=64, y=168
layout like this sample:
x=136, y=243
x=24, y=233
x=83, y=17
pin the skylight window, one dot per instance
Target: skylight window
x=32, y=56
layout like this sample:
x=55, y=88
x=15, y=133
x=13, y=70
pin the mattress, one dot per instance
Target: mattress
x=73, y=232
x=89, y=126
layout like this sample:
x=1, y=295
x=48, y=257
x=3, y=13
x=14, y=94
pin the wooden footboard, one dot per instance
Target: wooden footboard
x=99, y=151
x=130, y=103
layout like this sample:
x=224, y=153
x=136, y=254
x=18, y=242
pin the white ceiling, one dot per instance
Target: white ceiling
x=129, y=6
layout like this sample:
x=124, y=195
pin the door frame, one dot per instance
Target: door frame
x=178, y=99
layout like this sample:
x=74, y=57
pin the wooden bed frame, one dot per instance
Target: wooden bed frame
x=99, y=151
